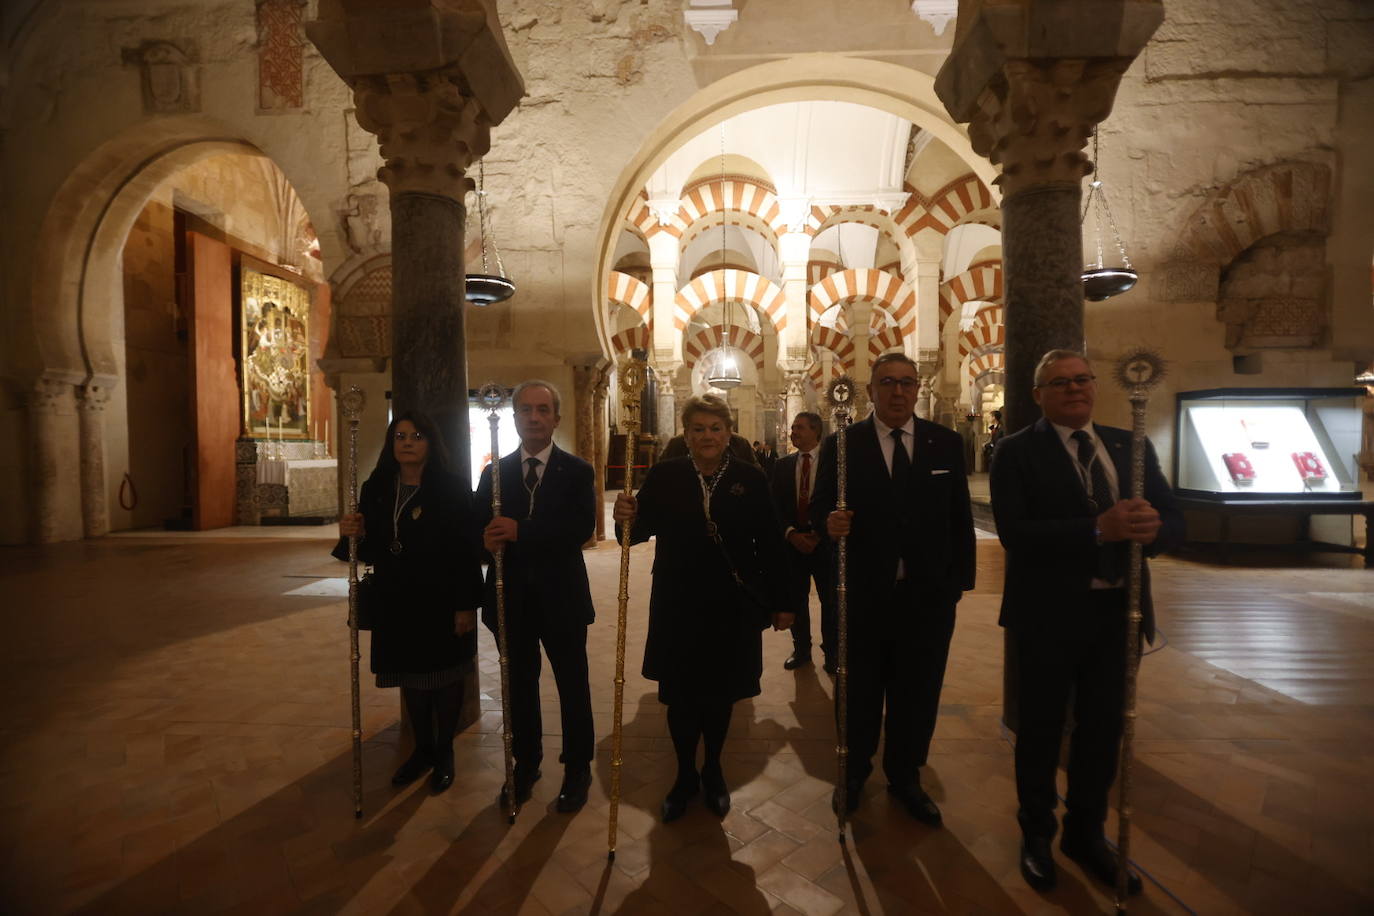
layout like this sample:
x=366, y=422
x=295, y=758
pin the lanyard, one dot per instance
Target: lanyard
x=396, y=510
x=708, y=490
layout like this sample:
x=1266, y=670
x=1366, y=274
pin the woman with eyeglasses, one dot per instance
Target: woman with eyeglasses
x=412, y=521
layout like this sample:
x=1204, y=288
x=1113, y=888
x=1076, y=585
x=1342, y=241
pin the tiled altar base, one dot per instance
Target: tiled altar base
x=175, y=739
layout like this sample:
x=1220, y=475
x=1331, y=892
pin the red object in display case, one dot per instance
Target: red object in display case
x=1242, y=471
x=1309, y=466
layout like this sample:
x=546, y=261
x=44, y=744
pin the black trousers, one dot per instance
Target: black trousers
x=1083, y=657
x=802, y=570
x=897, y=655
x=566, y=647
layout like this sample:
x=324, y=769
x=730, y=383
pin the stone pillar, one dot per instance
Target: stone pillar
x=95, y=515
x=663, y=258
x=430, y=80
x=1032, y=79
x=794, y=345
x=860, y=313
x=48, y=400
x=667, y=401
x=794, y=402
x=926, y=367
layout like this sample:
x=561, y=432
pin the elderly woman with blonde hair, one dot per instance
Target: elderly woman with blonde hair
x=717, y=585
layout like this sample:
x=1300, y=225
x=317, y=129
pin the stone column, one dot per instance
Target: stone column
x=95, y=515
x=1032, y=79
x=667, y=401
x=663, y=257
x=430, y=80
x=794, y=402
x=48, y=400
x=926, y=367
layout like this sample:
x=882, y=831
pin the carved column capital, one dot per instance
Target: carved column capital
x=796, y=385
x=429, y=131
x=93, y=397
x=49, y=394
x=1035, y=120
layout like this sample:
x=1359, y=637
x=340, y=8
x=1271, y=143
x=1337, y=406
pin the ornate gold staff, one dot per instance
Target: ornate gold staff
x=352, y=402
x=632, y=374
x=1137, y=372
x=841, y=395
x=492, y=396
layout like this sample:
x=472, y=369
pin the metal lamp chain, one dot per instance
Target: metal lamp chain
x=482, y=209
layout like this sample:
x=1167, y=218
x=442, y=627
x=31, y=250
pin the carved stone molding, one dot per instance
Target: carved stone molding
x=1036, y=119
x=169, y=75
x=429, y=131
x=939, y=13
x=710, y=17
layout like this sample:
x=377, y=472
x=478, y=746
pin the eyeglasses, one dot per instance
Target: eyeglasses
x=905, y=382
x=417, y=436
x=1082, y=381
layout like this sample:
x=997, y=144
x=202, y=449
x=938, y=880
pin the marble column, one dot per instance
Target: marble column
x=667, y=401
x=1033, y=79
x=794, y=402
x=430, y=81
x=95, y=515
x=49, y=399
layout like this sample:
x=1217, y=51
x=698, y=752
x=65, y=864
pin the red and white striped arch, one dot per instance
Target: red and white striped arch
x=733, y=285
x=636, y=338
x=623, y=289
x=979, y=336
x=981, y=282
x=641, y=219
x=707, y=339
x=965, y=199
x=837, y=342
x=734, y=195
x=816, y=271
x=980, y=366
x=816, y=374
x=879, y=342
x=884, y=289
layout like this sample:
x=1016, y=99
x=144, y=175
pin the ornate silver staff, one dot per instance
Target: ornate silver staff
x=353, y=401
x=1137, y=372
x=492, y=396
x=632, y=374
x=841, y=395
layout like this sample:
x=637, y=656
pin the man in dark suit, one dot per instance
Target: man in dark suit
x=1060, y=493
x=910, y=559
x=548, y=511
x=793, y=482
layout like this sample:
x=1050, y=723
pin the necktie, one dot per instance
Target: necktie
x=1108, y=560
x=532, y=475
x=804, y=493
x=901, y=462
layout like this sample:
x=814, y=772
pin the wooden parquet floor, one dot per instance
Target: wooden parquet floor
x=175, y=739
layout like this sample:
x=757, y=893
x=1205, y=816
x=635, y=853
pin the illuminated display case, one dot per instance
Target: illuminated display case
x=1237, y=444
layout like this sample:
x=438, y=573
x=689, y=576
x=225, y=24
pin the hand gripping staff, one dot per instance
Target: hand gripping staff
x=841, y=395
x=353, y=400
x=632, y=375
x=1137, y=372
x=492, y=397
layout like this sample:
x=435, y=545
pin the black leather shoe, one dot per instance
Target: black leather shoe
x=917, y=803
x=715, y=795
x=1099, y=860
x=675, y=805
x=524, y=788
x=852, y=796
x=414, y=767
x=573, y=795
x=1037, y=862
x=796, y=660
x=442, y=777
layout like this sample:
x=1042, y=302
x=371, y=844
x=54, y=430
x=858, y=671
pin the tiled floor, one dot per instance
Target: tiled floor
x=175, y=738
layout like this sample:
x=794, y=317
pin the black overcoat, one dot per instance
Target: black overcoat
x=705, y=639
x=436, y=574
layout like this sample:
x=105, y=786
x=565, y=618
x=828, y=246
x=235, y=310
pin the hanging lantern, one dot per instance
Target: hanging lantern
x=487, y=288
x=1100, y=281
x=722, y=369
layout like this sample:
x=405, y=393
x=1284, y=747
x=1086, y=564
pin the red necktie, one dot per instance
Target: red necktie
x=804, y=493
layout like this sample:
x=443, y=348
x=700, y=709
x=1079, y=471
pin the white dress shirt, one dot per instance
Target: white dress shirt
x=1085, y=475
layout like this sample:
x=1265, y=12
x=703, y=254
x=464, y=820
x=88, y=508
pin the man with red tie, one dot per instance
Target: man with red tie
x=793, y=481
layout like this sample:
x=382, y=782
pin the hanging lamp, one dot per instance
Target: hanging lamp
x=1100, y=281
x=487, y=288
x=721, y=366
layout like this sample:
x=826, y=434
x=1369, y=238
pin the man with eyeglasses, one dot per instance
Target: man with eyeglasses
x=548, y=505
x=1060, y=497
x=910, y=559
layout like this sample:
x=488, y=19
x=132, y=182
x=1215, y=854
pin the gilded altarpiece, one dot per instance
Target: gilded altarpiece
x=275, y=344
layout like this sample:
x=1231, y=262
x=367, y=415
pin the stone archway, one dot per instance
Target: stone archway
x=68, y=345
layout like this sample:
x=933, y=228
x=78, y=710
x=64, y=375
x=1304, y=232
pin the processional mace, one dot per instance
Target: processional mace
x=492, y=397
x=1137, y=372
x=632, y=375
x=353, y=401
x=841, y=395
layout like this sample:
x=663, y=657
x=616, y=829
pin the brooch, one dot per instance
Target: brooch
x=415, y=514
x=737, y=489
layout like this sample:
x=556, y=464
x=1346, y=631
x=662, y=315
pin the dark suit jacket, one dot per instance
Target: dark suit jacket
x=1046, y=525
x=930, y=527
x=544, y=570
x=783, y=487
